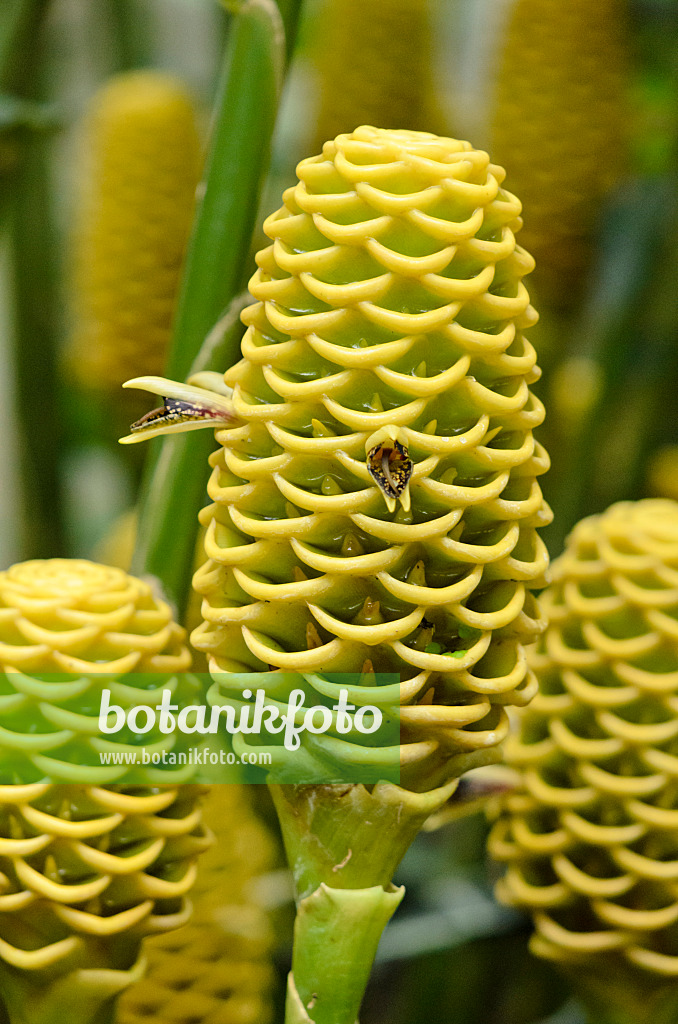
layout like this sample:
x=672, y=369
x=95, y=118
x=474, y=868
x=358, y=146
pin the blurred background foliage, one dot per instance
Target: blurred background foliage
x=578, y=100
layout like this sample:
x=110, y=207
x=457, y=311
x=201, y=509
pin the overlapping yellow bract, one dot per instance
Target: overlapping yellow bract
x=217, y=969
x=133, y=221
x=72, y=615
x=591, y=841
x=559, y=125
x=390, y=310
x=82, y=863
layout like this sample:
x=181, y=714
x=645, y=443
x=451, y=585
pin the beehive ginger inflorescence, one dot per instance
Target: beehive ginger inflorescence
x=374, y=508
x=88, y=864
x=590, y=840
x=135, y=205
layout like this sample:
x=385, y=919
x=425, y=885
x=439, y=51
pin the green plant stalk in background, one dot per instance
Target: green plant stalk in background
x=19, y=22
x=131, y=33
x=214, y=275
x=34, y=267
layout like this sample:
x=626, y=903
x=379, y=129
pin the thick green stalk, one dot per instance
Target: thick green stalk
x=35, y=357
x=340, y=928
x=290, y=11
x=214, y=275
x=79, y=996
x=18, y=22
x=343, y=844
x=244, y=120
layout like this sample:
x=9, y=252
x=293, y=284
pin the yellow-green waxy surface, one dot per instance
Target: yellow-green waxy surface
x=388, y=327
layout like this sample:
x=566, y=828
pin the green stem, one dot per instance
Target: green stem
x=34, y=255
x=214, y=276
x=344, y=844
x=19, y=20
x=290, y=11
x=131, y=34
x=245, y=117
x=35, y=356
x=346, y=924
x=78, y=996
x=181, y=471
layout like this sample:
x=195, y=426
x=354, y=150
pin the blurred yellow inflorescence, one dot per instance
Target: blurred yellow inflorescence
x=558, y=124
x=575, y=385
x=662, y=473
x=83, y=862
x=376, y=66
x=135, y=212
x=376, y=511
x=591, y=841
x=217, y=969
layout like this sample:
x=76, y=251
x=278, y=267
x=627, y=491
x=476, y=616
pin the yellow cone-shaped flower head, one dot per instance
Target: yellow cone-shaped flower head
x=83, y=862
x=591, y=841
x=376, y=508
x=216, y=970
x=69, y=628
x=135, y=213
x=558, y=125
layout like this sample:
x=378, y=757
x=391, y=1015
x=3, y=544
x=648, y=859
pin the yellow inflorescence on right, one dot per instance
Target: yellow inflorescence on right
x=591, y=841
x=134, y=217
x=558, y=124
x=377, y=509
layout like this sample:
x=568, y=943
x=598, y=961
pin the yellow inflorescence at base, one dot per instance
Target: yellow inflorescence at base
x=83, y=863
x=377, y=508
x=133, y=223
x=217, y=969
x=558, y=123
x=591, y=841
